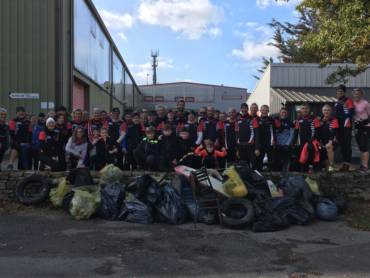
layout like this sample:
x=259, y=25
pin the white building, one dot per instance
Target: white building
x=294, y=84
x=195, y=95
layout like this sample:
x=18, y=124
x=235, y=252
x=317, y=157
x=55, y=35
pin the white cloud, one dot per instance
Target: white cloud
x=252, y=51
x=265, y=3
x=191, y=18
x=122, y=36
x=116, y=21
x=141, y=71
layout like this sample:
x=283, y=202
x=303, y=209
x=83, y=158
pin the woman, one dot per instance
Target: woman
x=362, y=127
x=51, y=153
x=76, y=149
x=328, y=132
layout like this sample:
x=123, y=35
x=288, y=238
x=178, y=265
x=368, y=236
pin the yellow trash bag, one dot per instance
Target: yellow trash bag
x=110, y=174
x=85, y=202
x=234, y=186
x=57, y=194
x=313, y=185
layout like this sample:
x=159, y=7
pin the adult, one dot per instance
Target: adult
x=161, y=114
x=76, y=149
x=230, y=135
x=207, y=129
x=20, y=130
x=95, y=122
x=344, y=110
x=4, y=134
x=362, y=126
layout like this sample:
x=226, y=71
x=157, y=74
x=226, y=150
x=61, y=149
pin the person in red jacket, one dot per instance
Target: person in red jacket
x=209, y=154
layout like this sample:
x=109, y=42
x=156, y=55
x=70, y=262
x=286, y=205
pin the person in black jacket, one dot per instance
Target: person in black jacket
x=106, y=150
x=267, y=137
x=168, y=145
x=185, y=146
x=51, y=154
x=4, y=134
x=284, y=141
x=148, y=152
x=134, y=135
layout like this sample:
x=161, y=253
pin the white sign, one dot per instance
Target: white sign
x=24, y=95
x=51, y=105
x=44, y=105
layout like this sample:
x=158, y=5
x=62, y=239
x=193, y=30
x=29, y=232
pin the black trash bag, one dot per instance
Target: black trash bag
x=296, y=187
x=112, y=196
x=171, y=209
x=67, y=201
x=146, y=189
x=80, y=177
x=136, y=212
x=256, y=183
x=280, y=213
x=326, y=210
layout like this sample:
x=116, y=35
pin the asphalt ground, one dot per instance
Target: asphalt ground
x=48, y=243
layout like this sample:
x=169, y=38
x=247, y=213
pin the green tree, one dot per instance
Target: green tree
x=327, y=31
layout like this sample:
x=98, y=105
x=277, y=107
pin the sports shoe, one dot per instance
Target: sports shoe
x=330, y=168
x=362, y=169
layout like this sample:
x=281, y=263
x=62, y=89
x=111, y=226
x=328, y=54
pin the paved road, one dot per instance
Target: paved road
x=50, y=244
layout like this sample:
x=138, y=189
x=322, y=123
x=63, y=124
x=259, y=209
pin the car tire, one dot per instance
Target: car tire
x=237, y=213
x=43, y=184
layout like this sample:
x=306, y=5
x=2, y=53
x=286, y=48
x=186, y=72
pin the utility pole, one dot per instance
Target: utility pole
x=155, y=55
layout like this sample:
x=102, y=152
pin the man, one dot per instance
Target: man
x=4, y=134
x=207, y=129
x=180, y=106
x=116, y=132
x=202, y=114
x=77, y=120
x=284, y=141
x=20, y=130
x=161, y=114
x=95, y=122
x=247, y=131
x=134, y=136
x=230, y=136
x=344, y=110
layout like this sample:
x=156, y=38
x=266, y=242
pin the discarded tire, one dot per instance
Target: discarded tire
x=237, y=213
x=33, y=190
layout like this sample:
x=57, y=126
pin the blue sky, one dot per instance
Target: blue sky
x=206, y=41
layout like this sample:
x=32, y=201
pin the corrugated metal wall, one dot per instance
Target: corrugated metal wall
x=27, y=51
x=310, y=75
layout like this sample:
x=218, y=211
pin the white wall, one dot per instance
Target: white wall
x=261, y=94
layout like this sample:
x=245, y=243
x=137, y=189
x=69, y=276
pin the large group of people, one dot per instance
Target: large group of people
x=161, y=139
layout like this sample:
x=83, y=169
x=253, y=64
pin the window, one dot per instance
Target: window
x=118, y=81
x=91, y=46
x=129, y=91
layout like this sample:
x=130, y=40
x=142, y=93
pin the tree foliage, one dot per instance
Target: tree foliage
x=327, y=31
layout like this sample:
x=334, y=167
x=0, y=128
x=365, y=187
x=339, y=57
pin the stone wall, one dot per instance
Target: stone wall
x=352, y=185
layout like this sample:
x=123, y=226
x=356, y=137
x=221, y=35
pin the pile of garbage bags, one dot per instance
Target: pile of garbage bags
x=249, y=200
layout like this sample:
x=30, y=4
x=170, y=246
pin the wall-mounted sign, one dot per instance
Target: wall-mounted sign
x=13, y=95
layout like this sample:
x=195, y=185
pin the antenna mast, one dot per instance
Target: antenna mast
x=155, y=55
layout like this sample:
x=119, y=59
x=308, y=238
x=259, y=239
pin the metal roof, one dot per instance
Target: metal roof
x=299, y=96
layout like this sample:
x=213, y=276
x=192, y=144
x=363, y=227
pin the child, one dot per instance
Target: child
x=51, y=154
x=168, y=146
x=36, y=145
x=185, y=146
x=76, y=149
x=4, y=134
x=106, y=150
x=148, y=152
x=328, y=131
x=209, y=154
